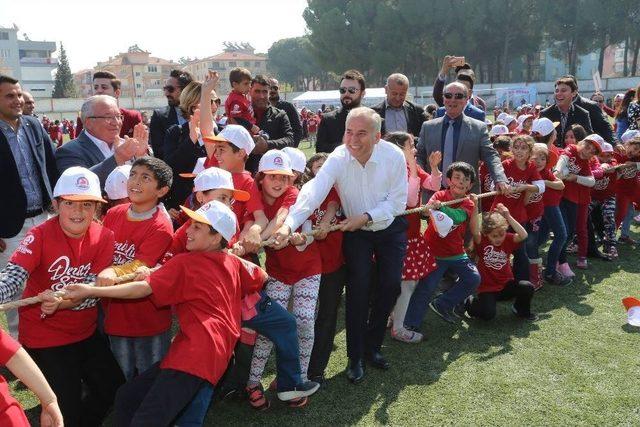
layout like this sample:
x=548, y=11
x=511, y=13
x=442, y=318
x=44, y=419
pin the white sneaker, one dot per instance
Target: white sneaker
x=406, y=335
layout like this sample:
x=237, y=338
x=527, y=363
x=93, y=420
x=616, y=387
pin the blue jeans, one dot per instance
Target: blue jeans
x=137, y=354
x=534, y=228
x=569, y=216
x=193, y=415
x=552, y=220
x=626, y=222
x=366, y=317
x=469, y=280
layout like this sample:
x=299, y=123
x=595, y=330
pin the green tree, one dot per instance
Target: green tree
x=291, y=60
x=64, y=86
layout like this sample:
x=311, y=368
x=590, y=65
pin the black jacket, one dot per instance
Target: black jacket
x=161, y=120
x=12, y=197
x=599, y=121
x=294, y=120
x=577, y=115
x=331, y=130
x=181, y=154
x=414, y=113
x=276, y=123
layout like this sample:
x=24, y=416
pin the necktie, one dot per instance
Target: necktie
x=447, y=156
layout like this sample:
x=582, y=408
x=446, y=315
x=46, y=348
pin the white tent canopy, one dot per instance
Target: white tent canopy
x=313, y=100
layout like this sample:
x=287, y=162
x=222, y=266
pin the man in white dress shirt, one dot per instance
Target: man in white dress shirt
x=370, y=176
x=99, y=147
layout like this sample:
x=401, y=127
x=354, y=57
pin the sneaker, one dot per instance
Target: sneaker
x=257, y=399
x=302, y=390
x=582, y=263
x=565, y=270
x=612, y=252
x=444, y=315
x=297, y=403
x=532, y=317
x=460, y=311
x=405, y=335
x=626, y=239
x=558, y=279
x=572, y=248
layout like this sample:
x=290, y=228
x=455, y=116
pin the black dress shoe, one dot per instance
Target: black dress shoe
x=355, y=370
x=376, y=360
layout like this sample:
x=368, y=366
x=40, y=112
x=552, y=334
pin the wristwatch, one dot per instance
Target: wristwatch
x=368, y=216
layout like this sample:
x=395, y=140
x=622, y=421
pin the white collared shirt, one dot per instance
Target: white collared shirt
x=102, y=146
x=379, y=188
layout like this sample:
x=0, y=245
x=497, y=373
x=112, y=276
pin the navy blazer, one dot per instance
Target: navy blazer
x=82, y=151
x=12, y=197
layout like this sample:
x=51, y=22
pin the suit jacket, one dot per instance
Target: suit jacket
x=331, y=130
x=83, y=152
x=599, y=121
x=294, y=120
x=276, y=123
x=12, y=197
x=470, y=111
x=473, y=145
x=130, y=118
x=576, y=115
x=414, y=113
x=161, y=120
x=181, y=154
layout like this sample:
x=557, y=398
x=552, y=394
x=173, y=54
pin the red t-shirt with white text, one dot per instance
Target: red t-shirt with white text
x=516, y=176
x=453, y=243
x=493, y=263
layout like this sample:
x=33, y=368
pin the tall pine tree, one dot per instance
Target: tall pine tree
x=64, y=86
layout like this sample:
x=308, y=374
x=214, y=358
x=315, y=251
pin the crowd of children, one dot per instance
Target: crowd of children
x=99, y=340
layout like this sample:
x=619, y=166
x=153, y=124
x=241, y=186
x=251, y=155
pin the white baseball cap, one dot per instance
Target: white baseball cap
x=78, y=184
x=607, y=148
x=498, y=130
x=543, y=126
x=597, y=141
x=116, y=183
x=508, y=119
x=632, y=305
x=629, y=134
x=214, y=178
x=236, y=135
x=199, y=167
x=275, y=162
x=297, y=158
x=523, y=117
x=217, y=215
x=442, y=222
x=502, y=115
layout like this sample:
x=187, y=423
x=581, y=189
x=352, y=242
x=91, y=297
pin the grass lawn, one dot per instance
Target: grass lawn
x=578, y=365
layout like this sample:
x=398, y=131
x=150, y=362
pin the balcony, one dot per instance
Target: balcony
x=39, y=61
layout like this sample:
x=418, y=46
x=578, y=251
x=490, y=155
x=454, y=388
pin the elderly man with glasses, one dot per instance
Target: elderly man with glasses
x=459, y=138
x=331, y=129
x=163, y=118
x=99, y=146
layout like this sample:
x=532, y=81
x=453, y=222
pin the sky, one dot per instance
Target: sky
x=94, y=31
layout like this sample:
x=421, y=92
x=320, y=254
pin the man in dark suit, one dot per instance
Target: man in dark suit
x=565, y=111
x=99, y=147
x=28, y=174
x=270, y=120
x=163, y=118
x=459, y=139
x=106, y=83
x=599, y=121
x=287, y=107
x=397, y=113
x=331, y=128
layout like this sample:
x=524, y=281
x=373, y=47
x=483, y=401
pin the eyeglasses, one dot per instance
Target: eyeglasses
x=169, y=88
x=458, y=95
x=275, y=88
x=351, y=90
x=108, y=118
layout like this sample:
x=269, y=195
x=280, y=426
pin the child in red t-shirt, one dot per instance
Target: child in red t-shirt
x=61, y=335
x=294, y=271
x=627, y=184
x=502, y=144
x=525, y=180
x=18, y=362
x=494, y=246
x=575, y=167
x=543, y=210
x=603, y=198
x=333, y=276
x=419, y=261
x=448, y=250
x=238, y=104
x=205, y=287
x=139, y=332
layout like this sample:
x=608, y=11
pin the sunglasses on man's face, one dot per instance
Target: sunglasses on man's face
x=351, y=90
x=454, y=95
